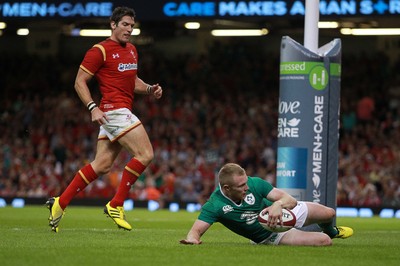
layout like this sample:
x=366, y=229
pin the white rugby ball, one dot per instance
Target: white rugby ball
x=288, y=219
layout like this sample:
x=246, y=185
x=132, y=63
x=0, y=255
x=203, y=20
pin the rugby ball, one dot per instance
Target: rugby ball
x=288, y=217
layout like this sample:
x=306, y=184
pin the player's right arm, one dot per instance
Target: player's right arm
x=280, y=199
x=81, y=87
x=198, y=229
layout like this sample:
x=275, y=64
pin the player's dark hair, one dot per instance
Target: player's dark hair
x=120, y=12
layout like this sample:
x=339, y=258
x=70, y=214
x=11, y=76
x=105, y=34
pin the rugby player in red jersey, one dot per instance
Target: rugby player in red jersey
x=113, y=62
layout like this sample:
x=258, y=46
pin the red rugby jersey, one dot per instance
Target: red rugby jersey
x=115, y=68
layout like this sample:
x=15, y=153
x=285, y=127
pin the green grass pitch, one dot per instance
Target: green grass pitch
x=88, y=237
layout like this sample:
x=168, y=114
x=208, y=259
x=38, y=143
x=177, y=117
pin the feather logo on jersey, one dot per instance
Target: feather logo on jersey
x=133, y=54
x=124, y=67
x=250, y=199
x=227, y=208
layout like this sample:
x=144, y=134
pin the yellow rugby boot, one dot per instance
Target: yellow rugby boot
x=56, y=213
x=118, y=216
x=343, y=232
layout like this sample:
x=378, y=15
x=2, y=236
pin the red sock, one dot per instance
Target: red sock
x=132, y=171
x=82, y=178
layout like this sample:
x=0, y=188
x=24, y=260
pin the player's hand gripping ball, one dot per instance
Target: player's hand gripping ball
x=288, y=221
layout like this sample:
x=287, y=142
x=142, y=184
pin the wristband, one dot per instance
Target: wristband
x=149, y=89
x=91, y=105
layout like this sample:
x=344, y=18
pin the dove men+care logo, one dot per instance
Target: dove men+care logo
x=288, y=122
x=317, y=154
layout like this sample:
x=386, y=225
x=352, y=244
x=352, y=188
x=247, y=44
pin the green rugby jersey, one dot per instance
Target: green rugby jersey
x=241, y=219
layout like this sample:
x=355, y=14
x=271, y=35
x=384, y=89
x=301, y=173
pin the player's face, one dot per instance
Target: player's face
x=238, y=189
x=122, y=31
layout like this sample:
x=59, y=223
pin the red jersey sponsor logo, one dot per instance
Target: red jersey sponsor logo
x=123, y=67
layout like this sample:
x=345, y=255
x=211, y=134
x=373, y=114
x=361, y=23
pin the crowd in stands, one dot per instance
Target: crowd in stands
x=218, y=107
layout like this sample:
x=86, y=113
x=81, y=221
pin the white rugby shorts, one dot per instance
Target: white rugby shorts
x=120, y=122
x=301, y=213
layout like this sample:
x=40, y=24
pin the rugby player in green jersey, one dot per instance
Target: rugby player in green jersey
x=239, y=199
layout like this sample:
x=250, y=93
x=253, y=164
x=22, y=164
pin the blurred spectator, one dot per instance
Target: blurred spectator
x=190, y=194
x=365, y=109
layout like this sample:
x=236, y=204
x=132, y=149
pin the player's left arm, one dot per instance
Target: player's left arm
x=142, y=87
x=198, y=229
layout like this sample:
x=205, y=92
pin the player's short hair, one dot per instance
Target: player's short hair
x=120, y=12
x=229, y=170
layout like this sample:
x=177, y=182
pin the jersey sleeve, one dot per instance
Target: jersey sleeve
x=261, y=186
x=93, y=60
x=208, y=213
